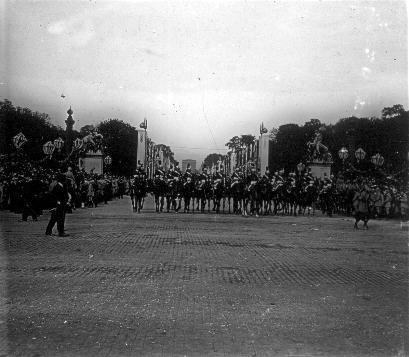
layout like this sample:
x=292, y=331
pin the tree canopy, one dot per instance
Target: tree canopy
x=212, y=159
x=121, y=143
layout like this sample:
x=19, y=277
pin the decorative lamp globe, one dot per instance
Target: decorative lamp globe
x=108, y=160
x=78, y=143
x=377, y=159
x=48, y=148
x=343, y=153
x=58, y=143
x=360, y=154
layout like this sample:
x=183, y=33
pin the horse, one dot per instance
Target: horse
x=188, y=189
x=158, y=190
x=138, y=191
x=218, y=191
x=237, y=193
x=203, y=194
x=252, y=194
x=310, y=197
x=265, y=195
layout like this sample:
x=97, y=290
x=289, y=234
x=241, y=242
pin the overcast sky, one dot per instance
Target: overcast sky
x=202, y=72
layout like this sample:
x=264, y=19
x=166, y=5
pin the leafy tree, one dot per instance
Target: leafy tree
x=394, y=111
x=273, y=134
x=121, y=143
x=289, y=148
x=212, y=159
x=87, y=129
x=234, y=143
x=35, y=126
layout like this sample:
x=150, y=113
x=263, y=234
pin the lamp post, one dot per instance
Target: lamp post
x=343, y=155
x=58, y=143
x=78, y=143
x=19, y=140
x=377, y=160
x=360, y=154
x=48, y=148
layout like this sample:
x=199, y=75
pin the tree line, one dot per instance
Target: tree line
x=387, y=135
x=120, y=138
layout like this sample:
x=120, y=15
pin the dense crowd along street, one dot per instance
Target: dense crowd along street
x=247, y=193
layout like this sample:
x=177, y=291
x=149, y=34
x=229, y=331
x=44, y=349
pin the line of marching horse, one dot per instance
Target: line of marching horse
x=235, y=194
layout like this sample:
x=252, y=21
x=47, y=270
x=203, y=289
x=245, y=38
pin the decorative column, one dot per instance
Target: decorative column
x=68, y=131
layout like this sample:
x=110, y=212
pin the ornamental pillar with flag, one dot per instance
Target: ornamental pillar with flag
x=263, y=130
x=141, y=148
x=144, y=124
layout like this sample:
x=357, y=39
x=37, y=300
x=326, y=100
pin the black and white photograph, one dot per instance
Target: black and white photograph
x=204, y=178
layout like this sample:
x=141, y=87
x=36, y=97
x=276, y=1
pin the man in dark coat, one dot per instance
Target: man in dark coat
x=59, y=195
x=29, y=192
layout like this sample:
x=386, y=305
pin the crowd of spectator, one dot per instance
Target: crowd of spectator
x=26, y=189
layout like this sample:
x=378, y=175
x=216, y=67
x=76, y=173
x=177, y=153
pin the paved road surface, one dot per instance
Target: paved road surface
x=127, y=284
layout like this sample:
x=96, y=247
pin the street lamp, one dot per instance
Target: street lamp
x=58, y=143
x=19, y=140
x=78, y=143
x=48, y=148
x=377, y=160
x=108, y=160
x=360, y=154
x=343, y=154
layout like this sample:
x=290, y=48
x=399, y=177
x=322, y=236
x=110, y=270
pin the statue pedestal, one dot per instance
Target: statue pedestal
x=320, y=168
x=92, y=161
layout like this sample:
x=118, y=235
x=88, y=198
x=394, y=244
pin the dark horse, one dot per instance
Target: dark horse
x=188, y=190
x=138, y=191
x=203, y=190
x=159, y=190
x=237, y=193
x=218, y=192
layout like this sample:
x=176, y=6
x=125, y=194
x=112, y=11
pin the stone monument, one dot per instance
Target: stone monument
x=92, y=161
x=319, y=158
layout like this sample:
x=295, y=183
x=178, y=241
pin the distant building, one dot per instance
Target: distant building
x=188, y=161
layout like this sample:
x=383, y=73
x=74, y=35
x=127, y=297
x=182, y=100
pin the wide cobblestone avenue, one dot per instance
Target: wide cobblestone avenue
x=128, y=284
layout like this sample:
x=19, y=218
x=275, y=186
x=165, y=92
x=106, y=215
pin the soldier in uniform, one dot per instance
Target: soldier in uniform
x=327, y=195
x=140, y=171
x=177, y=171
x=204, y=175
x=236, y=175
x=188, y=172
x=160, y=172
x=267, y=174
x=28, y=198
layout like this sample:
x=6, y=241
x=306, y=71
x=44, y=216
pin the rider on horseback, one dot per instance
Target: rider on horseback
x=140, y=172
x=252, y=179
x=236, y=177
x=204, y=176
x=217, y=178
x=267, y=175
x=160, y=173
